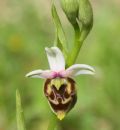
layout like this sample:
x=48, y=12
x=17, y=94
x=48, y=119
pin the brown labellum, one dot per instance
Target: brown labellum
x=61, y=95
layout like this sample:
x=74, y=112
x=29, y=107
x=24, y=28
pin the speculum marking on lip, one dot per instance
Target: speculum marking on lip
x=63, y=97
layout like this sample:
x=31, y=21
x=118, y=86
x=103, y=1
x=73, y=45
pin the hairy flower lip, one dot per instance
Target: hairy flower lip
x=57, y=98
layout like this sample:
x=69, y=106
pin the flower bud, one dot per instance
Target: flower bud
x=85, y=13
x=70, y=7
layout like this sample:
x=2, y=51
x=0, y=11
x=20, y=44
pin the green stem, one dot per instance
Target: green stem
x=51, y=126
x=80, y=36
x=19, y=113
x=53, y=123
x=76, y=48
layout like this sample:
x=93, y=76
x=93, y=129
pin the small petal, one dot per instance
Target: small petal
x=55, y=58
x=79, y=69
x=84, y=72
x=45, y=74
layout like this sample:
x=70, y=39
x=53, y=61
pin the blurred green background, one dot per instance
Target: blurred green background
x=26, y=28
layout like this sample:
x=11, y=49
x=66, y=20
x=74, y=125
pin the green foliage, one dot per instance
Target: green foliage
x=22, y=40
x=19, y=113
x=85, y=13
x=70, y=8
x=61, y=40
x=80, y=15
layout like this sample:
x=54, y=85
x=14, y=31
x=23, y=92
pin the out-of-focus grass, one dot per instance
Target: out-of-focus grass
x=23, y=37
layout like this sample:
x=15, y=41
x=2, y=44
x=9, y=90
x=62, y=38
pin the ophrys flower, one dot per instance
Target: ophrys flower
x=60, y=88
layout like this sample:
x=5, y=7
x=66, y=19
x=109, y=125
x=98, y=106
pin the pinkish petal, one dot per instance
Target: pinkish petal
x=79, y=69
x=45, y=74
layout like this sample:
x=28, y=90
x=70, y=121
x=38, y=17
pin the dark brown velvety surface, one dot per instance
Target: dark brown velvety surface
x=62, y=99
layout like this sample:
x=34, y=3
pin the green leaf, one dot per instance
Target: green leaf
x=61, y=39
x=19, y=112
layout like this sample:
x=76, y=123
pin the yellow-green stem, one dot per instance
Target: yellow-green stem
x=52, y=123
x=76, y=48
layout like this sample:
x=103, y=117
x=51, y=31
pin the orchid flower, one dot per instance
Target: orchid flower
x=60, y=88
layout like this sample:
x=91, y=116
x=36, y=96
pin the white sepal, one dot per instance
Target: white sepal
x=84, y=72
x=79, y=69
x=44, y=74
x=55, y=58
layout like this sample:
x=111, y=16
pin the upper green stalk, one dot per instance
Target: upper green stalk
x=80, y=15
